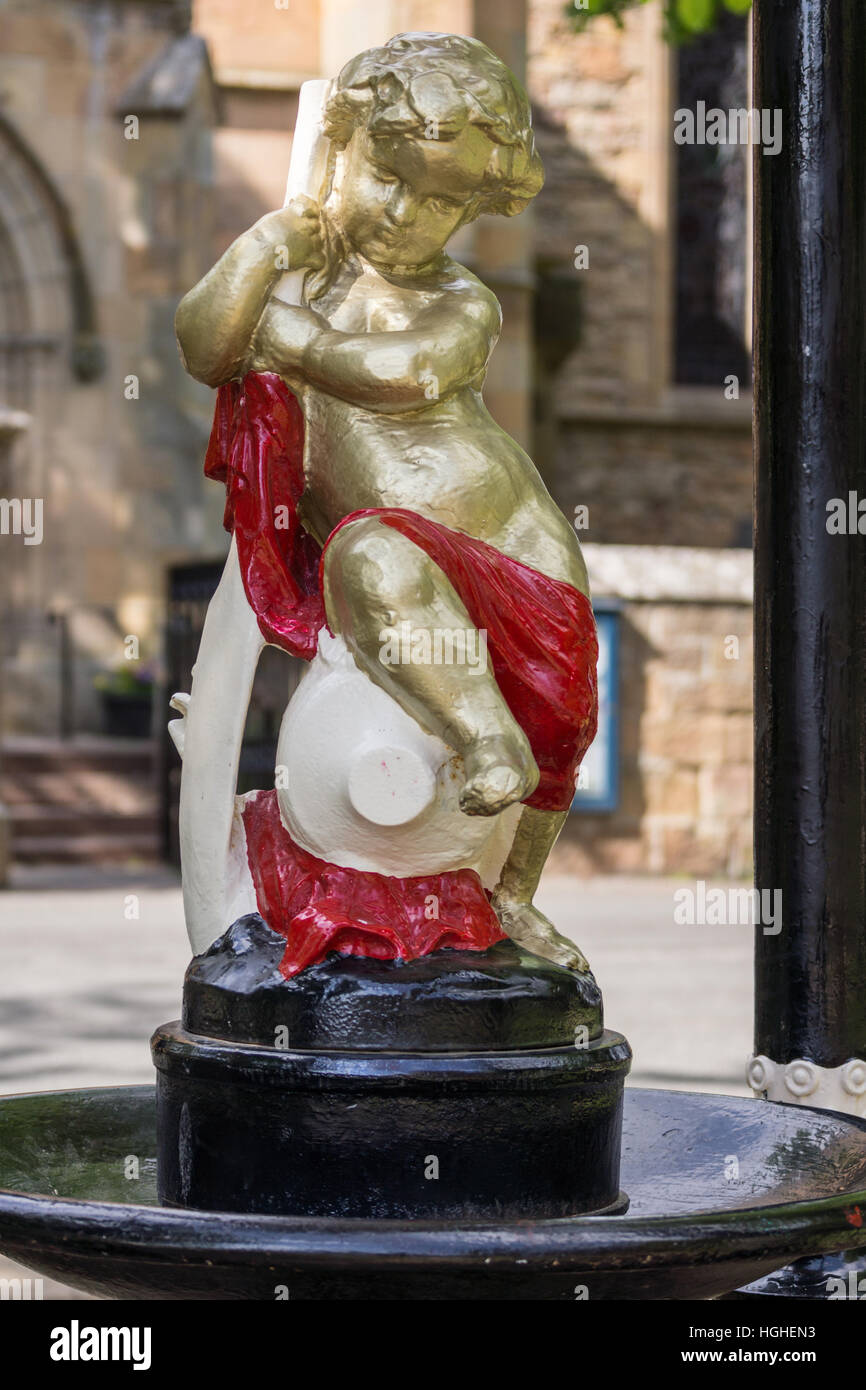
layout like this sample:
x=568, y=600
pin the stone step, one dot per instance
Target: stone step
x=19, y=755
x=85, y=849
x=42, y=822
x=79, y=789
x=82, y=801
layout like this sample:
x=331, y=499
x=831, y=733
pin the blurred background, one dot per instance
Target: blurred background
x=137, y=139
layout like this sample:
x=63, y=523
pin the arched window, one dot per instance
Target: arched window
x=46, y=311
x=48, y=343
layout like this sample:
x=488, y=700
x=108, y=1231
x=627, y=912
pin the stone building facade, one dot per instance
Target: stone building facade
x=106, y=113
x=662, y=467
x=140, y=136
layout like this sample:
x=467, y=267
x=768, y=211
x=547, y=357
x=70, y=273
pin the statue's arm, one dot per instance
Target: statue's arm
x=215, y=323
x=447, y=348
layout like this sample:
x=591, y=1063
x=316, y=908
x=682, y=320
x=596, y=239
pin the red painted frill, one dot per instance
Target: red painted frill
x=320, y=907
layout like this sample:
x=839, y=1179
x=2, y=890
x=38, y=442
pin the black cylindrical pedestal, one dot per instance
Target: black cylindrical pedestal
x=245, y=1128
x=461, y=1085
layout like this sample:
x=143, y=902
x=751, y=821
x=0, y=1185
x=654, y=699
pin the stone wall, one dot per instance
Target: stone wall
x=276, y=43
x=685, y=727
x=654, y=465
x=642, y=480
x=595, y=120
x=649, y=459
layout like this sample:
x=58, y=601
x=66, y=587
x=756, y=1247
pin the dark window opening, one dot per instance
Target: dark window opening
x=712, y=216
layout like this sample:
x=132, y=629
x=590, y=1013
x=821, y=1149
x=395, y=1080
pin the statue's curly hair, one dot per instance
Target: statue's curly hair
x=443, y=82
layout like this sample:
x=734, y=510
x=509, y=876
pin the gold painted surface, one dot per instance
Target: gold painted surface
x=388, y=357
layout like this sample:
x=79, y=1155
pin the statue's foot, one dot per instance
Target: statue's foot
x=499, y=771
x=534, y=932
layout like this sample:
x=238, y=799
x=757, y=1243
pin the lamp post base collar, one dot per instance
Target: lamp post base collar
x=803, y=1082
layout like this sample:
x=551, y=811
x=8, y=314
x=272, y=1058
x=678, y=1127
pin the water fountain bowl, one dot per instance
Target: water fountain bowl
x=722, y=1191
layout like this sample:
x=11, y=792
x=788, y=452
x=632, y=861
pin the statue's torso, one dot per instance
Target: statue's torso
x=449, y=461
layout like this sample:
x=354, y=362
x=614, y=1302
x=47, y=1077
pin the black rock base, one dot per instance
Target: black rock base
x=498, y=1000
x=464, y=1085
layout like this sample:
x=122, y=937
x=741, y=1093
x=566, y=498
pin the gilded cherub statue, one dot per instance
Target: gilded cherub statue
x=377, y=1021
x=386, y=529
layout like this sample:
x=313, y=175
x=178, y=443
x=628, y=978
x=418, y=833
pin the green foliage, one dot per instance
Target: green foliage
x=683, y=19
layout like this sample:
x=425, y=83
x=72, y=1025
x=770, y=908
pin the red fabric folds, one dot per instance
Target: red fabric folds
x=319, y=907
x=541, y=643
x=256, y=448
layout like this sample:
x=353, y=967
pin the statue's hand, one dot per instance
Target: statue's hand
x=293, y=235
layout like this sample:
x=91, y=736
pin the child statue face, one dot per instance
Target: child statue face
x=402, y=196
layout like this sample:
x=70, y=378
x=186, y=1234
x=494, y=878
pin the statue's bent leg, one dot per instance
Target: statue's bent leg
x=536, y=834
x=392, y=604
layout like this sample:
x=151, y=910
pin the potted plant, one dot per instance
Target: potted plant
x=127, y=701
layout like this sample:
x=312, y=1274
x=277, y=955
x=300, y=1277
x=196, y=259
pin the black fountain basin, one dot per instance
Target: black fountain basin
x=722, y=1191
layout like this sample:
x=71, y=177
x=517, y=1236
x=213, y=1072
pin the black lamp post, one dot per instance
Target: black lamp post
x=810, y=554
x=810, y=581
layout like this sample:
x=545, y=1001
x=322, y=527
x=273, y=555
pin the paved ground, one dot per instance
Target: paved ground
x=83, y=984
x=83, y=981
x=682, y=995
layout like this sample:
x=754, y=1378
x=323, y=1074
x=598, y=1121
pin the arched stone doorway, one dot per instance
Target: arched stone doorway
x=48, y=342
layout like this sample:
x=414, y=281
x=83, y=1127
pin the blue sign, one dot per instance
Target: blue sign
x=598, y=779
